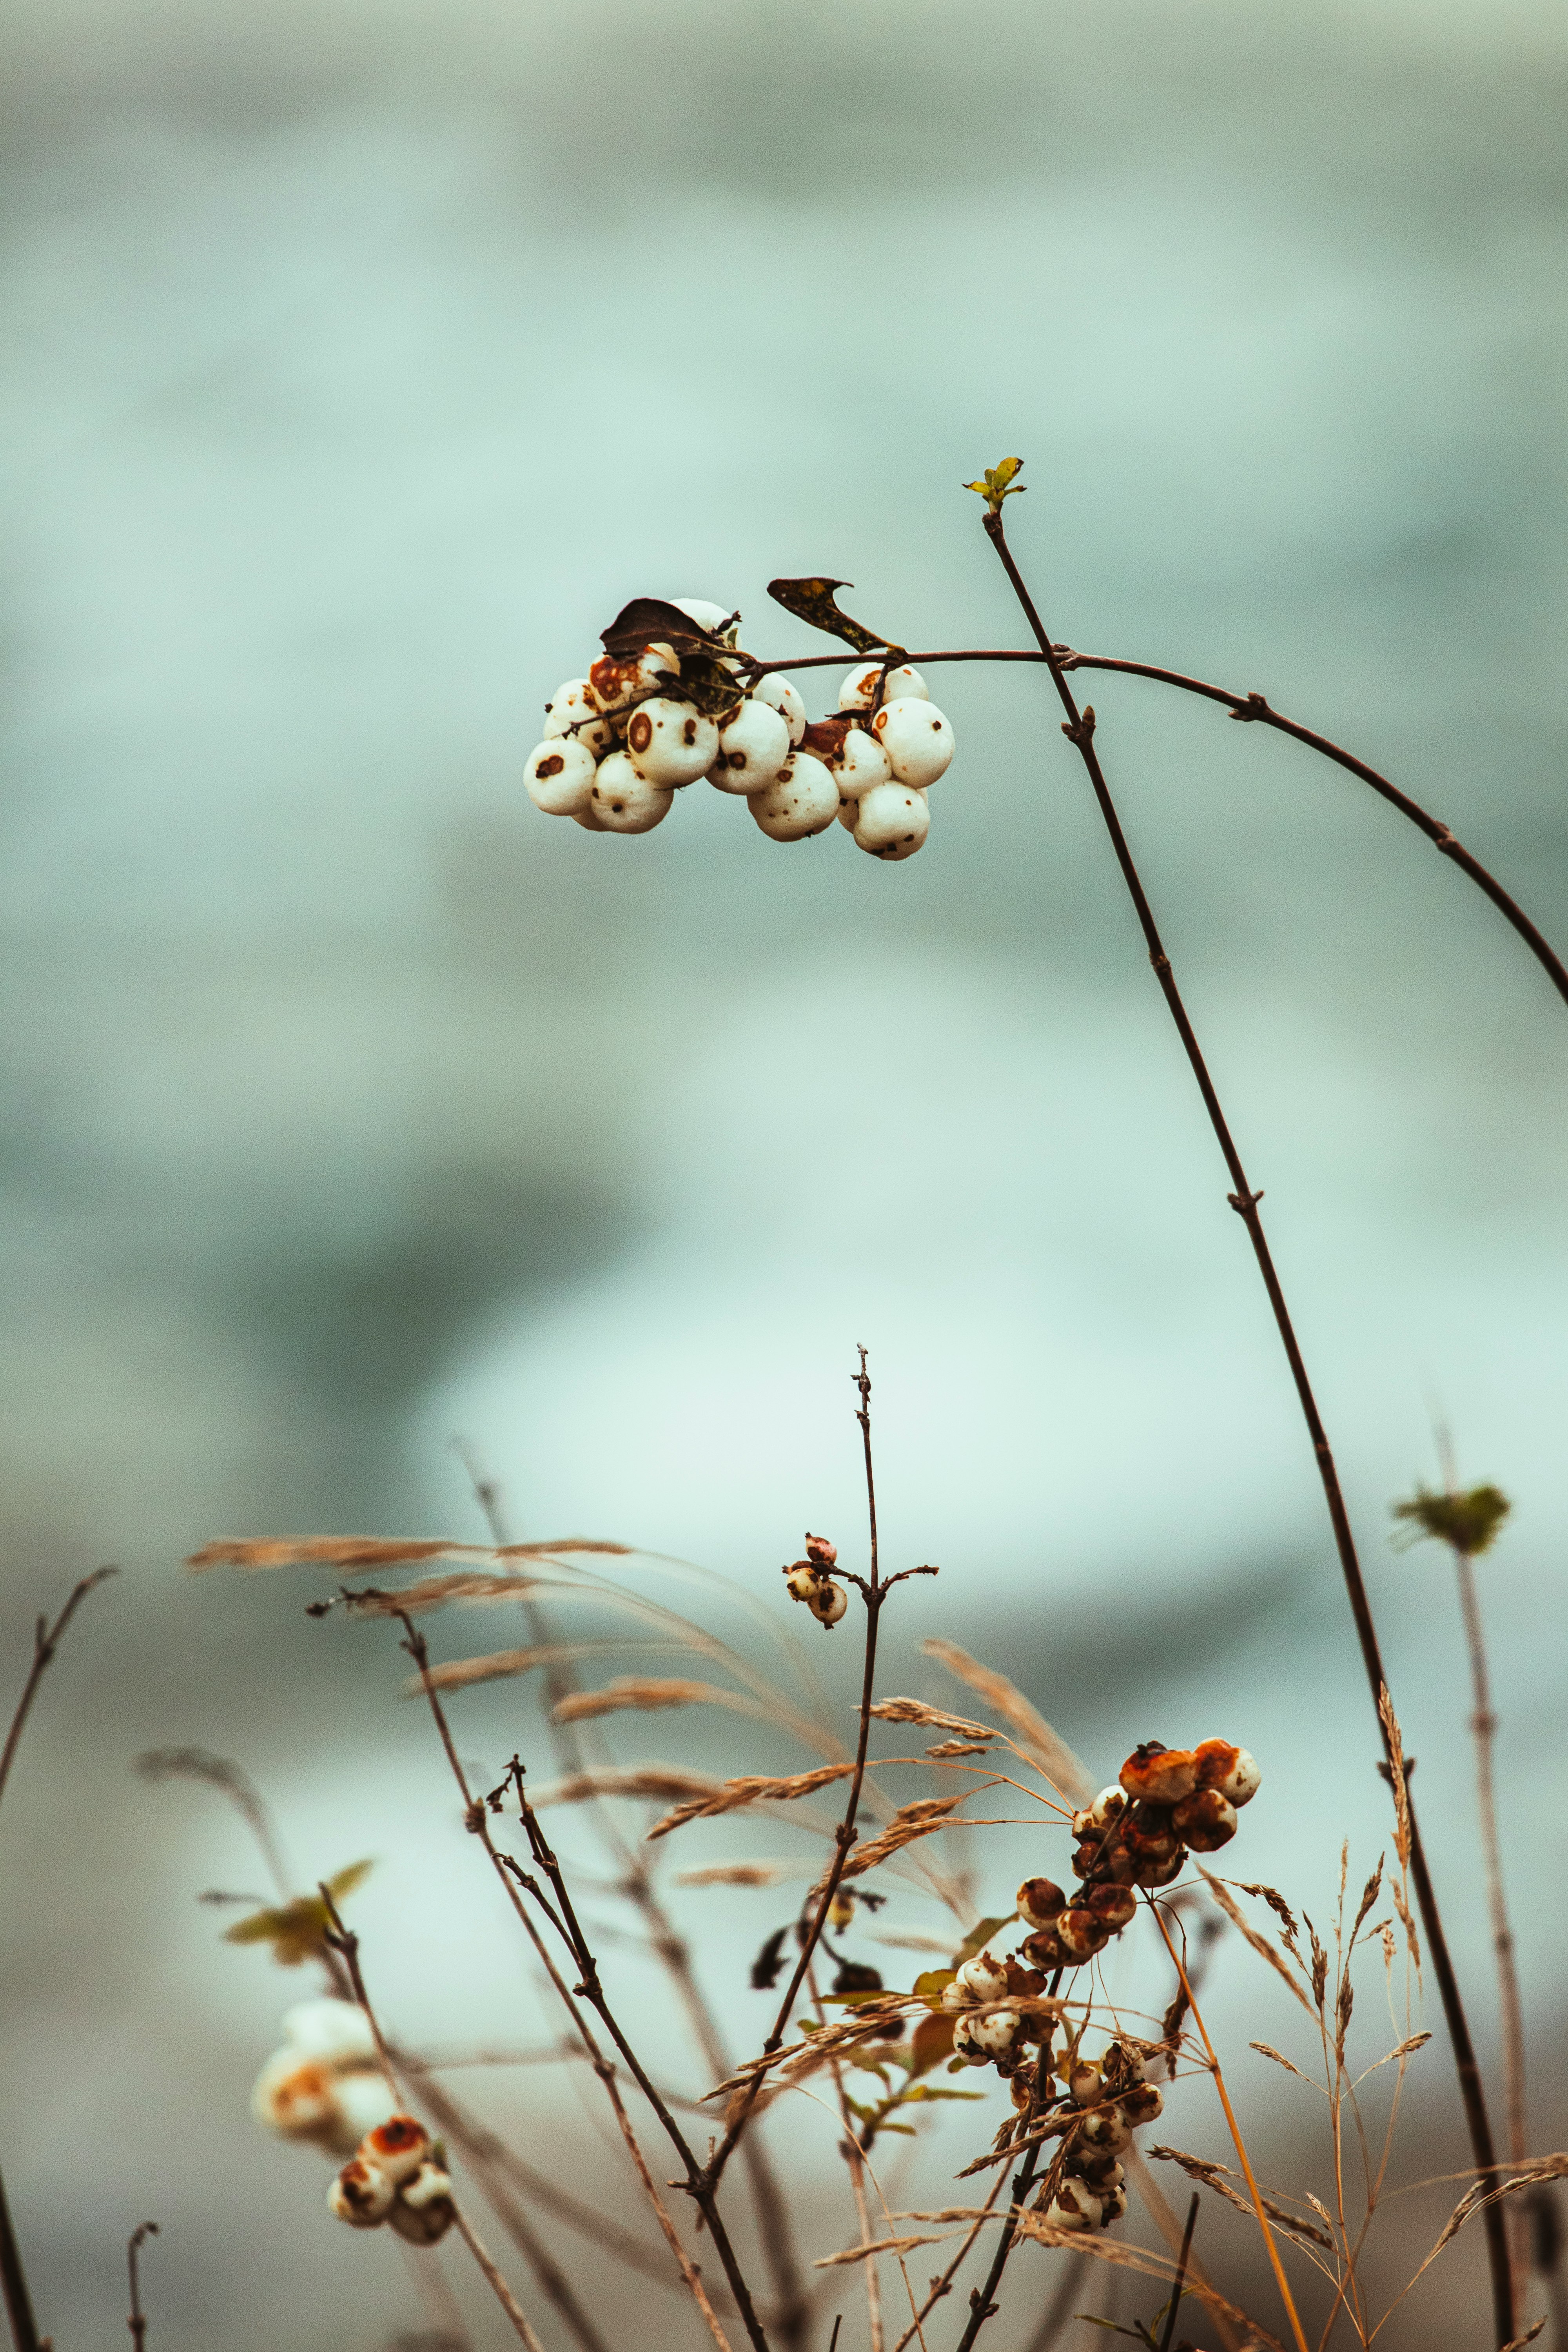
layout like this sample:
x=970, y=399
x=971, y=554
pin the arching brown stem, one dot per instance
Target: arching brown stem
x=1079, y=727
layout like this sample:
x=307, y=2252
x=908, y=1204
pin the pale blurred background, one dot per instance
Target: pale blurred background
x=359, y=363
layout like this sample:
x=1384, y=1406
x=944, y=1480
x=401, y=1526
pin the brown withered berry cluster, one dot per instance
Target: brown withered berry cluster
x=1168, y=1801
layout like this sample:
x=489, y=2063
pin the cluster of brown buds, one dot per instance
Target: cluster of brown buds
x=1136, y=1834
x=658, y=711
x=397, y=2176
x=808, y=1579
x=325, y=2086
x=1113, y=2100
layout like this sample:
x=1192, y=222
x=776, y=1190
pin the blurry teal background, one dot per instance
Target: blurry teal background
x=359, y=363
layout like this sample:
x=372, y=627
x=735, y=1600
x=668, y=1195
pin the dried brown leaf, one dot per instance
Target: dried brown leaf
x=751, y=1788
x=1051, y=1753
x=1260, y=1943
x=915, y=1710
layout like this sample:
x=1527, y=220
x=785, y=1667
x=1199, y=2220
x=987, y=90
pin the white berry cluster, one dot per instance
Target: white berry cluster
x=808, y=1579
x=1113, y=2099
x=325, y=2084
x=396, y=2176
x=621, y=742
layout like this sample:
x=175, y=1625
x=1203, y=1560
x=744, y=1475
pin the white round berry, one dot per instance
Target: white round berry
x=1076, y=2207
x=892, y=821
x=861, y=763
x=297, y=2098
x=559, y=776
x=752, y=747
x=800, y=800
x=858, y=690
x=624, y=802
x=361, y=2195
x=422, y=2210
x=916, y=737
x=830, y=1601
x=776, y=690
x=671, y=743
x=614, y=681
x=984, y=1978
x=363, y=2101
x=905, y=683
x=399, y=2146
x=706, y=614
x=337, y=2031
x=572, y=710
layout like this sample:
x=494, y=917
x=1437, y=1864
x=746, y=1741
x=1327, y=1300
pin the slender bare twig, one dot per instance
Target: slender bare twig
x=513, y=1879
x=47, y=1639
x=1080, y=728
x=344, y=1944
x=792, y=2308
x=137, y=2322
x=1169, y=2327
x=13, y=2285
x=874, y=1592
x=233, y=1782
x=981, y=2300
x=1256, y=707
x=1274, y=2264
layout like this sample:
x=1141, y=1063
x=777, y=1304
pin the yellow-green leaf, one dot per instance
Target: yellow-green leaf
x=999, y=483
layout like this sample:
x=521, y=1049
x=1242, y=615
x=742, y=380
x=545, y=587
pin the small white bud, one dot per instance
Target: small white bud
x=752, y=747
x=917, y=739
x=776, y=690
x=571, y=710
x=626, y=802
x=559, y=776
x=361, y=2195
x=893, y=822
x=1107, y=1807
x=801, y=799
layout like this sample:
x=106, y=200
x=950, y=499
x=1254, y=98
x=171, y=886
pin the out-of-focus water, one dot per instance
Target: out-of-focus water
x=359, y=365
